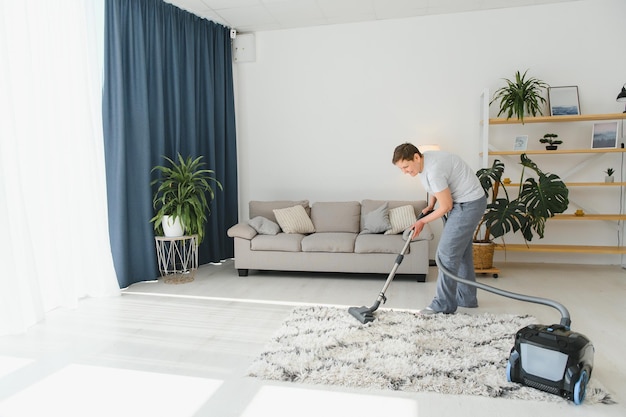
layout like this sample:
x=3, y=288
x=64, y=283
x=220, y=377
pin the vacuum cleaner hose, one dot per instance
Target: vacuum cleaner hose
x=565, y=317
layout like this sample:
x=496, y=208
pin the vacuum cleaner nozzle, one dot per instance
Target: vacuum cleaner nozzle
x=362, y=314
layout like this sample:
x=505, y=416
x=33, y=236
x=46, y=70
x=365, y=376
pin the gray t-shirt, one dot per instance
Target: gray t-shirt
x=446, y=170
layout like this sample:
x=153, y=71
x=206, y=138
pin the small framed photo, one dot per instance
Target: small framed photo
x=604, y=135
x=563, y=101
x=520, y=143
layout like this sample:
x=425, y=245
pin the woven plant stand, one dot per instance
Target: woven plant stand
x=483, y=255
x=483, y=258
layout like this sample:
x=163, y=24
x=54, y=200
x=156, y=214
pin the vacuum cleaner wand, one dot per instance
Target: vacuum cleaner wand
x=565, y=317
x=366, y=314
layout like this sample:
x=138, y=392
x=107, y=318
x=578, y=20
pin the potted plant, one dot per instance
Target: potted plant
x=551, y=140
x=520, y=97
x=183, y=188
x=609, y=175
x=537, y=200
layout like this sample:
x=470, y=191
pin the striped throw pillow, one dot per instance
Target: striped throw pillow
x=401, y=218
x=294, y=220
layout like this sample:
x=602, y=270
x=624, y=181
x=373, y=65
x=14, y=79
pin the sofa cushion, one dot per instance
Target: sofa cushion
x=329, y=242
x=266, y=208
x=378, y=243
x=283, y=242
x=377, y=220
x=264, y=226
x=294, y=220
x=369, y=205
x=401, y=218
x=342, y=216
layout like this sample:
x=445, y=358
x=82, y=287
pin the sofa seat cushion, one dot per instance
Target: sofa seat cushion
x=329, y=242
x=340, y=216
x=377, y=243
x=282, y=242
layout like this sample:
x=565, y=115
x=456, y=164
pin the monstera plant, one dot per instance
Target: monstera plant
x=537, y=200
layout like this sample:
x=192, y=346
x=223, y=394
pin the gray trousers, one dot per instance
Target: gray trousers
x=456, y=255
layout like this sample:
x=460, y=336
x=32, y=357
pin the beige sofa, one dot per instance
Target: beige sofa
x=345, y=237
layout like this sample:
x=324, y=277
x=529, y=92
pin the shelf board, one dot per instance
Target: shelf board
x=580, y=184
x=558, y=151
x=614, y=250
x=587, y=216
x=595, y=184
x=552, y=119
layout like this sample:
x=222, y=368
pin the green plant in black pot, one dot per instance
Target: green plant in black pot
x=184, y=191
x=551, y=140
x=520, y=97
x=537, y=200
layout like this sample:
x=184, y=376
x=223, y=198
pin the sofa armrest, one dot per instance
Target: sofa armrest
x=242, y=230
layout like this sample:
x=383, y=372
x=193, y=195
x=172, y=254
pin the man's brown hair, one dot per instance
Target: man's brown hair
x=405, y=152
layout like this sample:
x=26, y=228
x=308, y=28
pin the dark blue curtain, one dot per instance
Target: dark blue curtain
x=168, y=88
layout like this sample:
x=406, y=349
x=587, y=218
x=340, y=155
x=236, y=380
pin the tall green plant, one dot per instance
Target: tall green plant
x=537, y=200
x=183, y=187
x=520, y=97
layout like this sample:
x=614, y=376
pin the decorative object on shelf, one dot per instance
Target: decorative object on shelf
x=520, y=142
x=564, y=101
x=604, y=135
x=551, y=140
x=609, y=175
x=507, y=180
x=621, y=97
x=183, y=187
x=520, y=97
x=538, y=199
x=579, y=213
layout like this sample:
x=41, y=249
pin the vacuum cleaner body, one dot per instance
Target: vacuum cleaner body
x=552, y=359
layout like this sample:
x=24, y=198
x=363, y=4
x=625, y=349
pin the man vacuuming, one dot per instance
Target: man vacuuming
x=454, y=191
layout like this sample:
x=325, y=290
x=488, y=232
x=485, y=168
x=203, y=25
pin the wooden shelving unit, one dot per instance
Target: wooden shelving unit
x=486, y=122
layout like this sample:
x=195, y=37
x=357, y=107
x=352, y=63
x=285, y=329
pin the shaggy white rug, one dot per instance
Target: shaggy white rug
x=400, y=350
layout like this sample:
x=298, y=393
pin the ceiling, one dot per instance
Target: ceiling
x=260, y=15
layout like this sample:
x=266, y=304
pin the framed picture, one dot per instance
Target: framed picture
x=563, y=101
x=521, y=142
x=604, y=135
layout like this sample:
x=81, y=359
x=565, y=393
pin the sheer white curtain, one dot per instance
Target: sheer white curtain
x=54, y=242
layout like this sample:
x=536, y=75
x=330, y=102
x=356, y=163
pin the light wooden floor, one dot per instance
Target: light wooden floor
x=183, y=350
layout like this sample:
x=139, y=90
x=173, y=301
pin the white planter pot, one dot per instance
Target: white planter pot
x=609, y=179
x=172, y=227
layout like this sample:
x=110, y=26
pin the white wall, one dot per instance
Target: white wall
x=321, y=109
